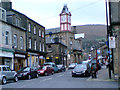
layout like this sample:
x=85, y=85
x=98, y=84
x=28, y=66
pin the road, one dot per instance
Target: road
x=61, y=80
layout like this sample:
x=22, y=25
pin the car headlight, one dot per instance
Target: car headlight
x=25, y=73
x=73, y=71
x=83, y=71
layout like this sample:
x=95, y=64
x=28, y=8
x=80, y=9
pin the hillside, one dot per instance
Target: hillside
x=93, y=35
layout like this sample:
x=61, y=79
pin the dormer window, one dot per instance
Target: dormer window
x=18, y=21
x=2, y=14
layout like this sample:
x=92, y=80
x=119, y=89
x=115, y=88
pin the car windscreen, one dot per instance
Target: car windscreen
x=81, y=67
x=25, y=69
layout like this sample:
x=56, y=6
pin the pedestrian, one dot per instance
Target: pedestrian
x=94, y=70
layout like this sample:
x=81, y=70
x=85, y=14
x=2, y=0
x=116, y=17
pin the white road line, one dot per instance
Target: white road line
x=60, y=75
x=47, y=79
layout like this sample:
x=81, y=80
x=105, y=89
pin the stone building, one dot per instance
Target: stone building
x=57, y=51
x=6, y=51
x=66, y=36
x=34, y=34
x=115, y=32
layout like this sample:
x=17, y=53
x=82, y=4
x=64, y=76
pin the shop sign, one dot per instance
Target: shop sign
x=98, y=51
x=56, y=57
x=20, y=55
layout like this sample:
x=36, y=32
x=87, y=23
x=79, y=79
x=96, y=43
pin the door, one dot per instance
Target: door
x=11, y=73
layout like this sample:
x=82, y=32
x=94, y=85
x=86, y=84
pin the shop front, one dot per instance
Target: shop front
x=41, y=60
x=6, y=57
x=33, y=59
x=20, y=60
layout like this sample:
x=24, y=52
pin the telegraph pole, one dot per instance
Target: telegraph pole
x=108, y=33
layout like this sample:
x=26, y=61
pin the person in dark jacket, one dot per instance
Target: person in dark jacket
x=93, y=70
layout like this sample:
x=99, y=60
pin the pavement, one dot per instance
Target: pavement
x=102, y=75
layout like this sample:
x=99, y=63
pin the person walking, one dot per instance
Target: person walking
x=94, y=70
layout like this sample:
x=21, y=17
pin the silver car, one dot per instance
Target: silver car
x=7, y=74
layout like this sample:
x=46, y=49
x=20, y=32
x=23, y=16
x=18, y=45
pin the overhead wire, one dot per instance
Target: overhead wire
x=84, y=6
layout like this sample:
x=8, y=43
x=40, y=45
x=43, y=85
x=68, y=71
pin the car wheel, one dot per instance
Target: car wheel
x=29, y=77
x=37, y=76
x=46, y=73
x=52, y=72
x=73, y=75
x=15, y=79
x=86, y=74
x=4, y=81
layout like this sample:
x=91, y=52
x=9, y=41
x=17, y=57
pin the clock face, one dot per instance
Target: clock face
x=63, y=18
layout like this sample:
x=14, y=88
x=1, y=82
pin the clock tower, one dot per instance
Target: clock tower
x=65, y=19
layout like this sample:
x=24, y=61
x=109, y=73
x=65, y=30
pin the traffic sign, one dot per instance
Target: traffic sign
x=111, y=42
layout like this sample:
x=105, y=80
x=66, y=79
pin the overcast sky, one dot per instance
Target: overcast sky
x=46, y=12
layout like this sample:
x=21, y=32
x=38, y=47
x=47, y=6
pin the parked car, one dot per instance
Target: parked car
x=7, y=74
x=28, y=72
x=61, y=67
x=45, y=70
x=52, y=65
x=72, y=65
x=81, y=70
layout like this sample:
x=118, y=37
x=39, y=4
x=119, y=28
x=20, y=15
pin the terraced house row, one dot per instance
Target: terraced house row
x=22, y=40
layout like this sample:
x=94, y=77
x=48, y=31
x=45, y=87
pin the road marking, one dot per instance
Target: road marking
x=47, y=79
x=60, y=75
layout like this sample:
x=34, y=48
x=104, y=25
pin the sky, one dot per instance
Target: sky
x=46, y=12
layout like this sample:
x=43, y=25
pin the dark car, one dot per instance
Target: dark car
x=72, y=65
x=45, y=70
x=81, y=70
x=61, y=67
x=28, y=72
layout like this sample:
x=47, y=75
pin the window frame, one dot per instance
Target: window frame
x=35, y=43
x=21, y=43
x=15, y=41
x=7, y=38
x=34, y=29
x=40, y=46
x=30, y=43
x=29, y=27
